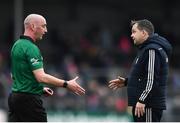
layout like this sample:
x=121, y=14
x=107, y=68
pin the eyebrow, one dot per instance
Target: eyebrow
x=44, y=25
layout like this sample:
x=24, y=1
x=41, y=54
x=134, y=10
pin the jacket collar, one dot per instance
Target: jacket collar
x=147, y=41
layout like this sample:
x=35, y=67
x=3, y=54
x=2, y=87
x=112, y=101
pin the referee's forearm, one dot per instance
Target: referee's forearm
x=49, y=79
x=41, y=76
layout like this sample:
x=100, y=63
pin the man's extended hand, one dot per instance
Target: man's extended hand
x=117, y=83
x=75, y=87
x=139, y=109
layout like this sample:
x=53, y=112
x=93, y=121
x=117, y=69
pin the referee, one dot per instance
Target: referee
x=25, y=104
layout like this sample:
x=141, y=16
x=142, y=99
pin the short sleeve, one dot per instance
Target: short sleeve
x=34, y=58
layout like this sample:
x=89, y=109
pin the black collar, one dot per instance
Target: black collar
x=26, y=37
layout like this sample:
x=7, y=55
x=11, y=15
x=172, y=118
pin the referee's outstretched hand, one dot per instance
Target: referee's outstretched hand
x=75, y=87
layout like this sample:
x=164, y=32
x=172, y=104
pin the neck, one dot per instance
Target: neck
x=30, y=34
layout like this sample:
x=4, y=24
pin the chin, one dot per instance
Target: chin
x=40, y=38
x=135, y=42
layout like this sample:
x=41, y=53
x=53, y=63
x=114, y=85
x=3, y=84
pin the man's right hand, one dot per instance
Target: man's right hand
x=75, y=87
x=117, y=83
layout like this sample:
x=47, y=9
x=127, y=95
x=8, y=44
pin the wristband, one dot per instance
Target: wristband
x=65, y=84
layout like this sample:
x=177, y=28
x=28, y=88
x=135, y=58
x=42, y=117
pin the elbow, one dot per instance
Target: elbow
x=40, y=75
x=41, y=78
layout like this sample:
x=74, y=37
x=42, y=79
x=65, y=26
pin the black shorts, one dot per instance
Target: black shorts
x=24, y=107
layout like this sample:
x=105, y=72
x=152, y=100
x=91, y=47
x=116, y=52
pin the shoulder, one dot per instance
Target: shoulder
x=152, y=46
x=150, y=49
x=25, y=46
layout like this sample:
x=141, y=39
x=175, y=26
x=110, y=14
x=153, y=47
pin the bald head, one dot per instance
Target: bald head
x=35, y=26
x=33, y=19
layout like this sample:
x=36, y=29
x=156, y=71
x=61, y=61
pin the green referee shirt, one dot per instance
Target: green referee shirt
x=26, y=57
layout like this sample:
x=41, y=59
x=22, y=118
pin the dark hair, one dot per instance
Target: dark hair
x=144, y=25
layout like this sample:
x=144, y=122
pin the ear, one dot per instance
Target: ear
x=33, y=27
x=144, y=33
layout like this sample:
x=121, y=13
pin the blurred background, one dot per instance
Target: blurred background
x=91, y=39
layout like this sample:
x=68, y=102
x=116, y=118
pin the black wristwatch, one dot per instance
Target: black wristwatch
x=65, y=84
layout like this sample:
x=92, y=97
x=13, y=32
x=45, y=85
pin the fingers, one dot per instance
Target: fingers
x=139, y=111
x=112, y=86
x=75, y=78
x=79, y=92
x=48, y=91
x=81, y=89
x=114, y=81
x=115, y=86
x=117, y=81
x=75, y=87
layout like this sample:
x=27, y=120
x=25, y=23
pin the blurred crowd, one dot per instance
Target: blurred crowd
x=92, y=40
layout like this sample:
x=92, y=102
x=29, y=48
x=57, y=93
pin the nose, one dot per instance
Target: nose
x=131, y=35
x=45, y=30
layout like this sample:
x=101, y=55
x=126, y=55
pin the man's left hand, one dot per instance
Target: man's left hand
x=140, y=109
x=48, y=91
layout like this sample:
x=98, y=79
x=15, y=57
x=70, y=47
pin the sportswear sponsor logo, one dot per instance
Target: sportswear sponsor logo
x=167, y=60
x=34, y=61
x=136, y=60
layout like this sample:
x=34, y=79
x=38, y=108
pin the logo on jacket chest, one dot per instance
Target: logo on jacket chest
x=137, y=59
x=167, y=60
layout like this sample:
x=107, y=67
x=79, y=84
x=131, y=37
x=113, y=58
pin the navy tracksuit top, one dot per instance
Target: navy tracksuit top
x=147, y=80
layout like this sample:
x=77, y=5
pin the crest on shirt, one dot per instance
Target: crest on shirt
x=34, y=61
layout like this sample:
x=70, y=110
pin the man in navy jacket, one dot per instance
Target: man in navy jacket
x=146, y=83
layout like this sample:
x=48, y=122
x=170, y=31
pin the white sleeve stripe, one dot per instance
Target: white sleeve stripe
x=150, y=75
x=149, y=81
